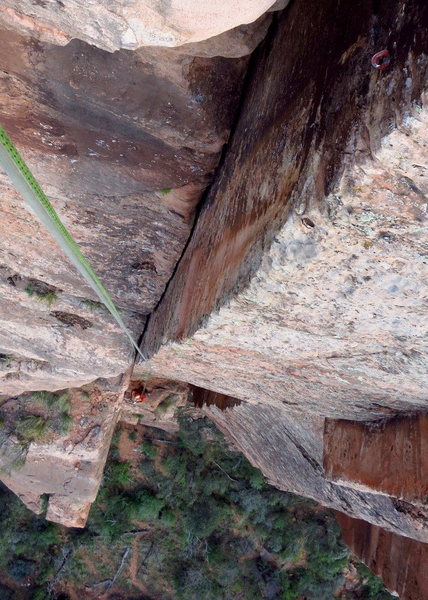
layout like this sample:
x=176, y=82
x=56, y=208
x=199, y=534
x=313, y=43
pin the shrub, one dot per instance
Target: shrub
x=205, y=516
x=21, y=568
x=41, y=396
x=132, y=435
x=117, y=474
x=65, y=422
x=149, y=506
x=5, y=593
x=168, y=517
x=32, y=427
x=149, y=449
x=373, y=585
x=40, y=593
x=59, y=402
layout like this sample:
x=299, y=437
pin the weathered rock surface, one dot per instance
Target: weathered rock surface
x=287, y=445
x=399, y=561
x=67, y=467
x=326, y=180
x=124, y=145
x=51, y=346
x=132, y=23
x=389, y=457
x=154, y=403
x=310, y=245
x=333, y=319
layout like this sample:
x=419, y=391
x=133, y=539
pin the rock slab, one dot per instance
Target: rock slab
x=124, y=145
x=130, y=24
x=287, y=445
x=305, y=278
x=389, y=457
x=399, y=561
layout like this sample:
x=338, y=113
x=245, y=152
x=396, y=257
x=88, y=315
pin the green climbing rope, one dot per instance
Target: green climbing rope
x=25, y=182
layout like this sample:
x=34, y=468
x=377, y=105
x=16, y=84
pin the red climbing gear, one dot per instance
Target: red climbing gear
x=138, y=396
x=381, y=60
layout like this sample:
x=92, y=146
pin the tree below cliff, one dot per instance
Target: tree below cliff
x=182, y=517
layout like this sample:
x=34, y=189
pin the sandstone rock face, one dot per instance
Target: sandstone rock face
x=326, y=180
x=51, y=346
x=390, y=457
x=310, y=245
x=399, y=561
x=332, y=320
x=132, y=23
x=287, y=445
x=68, y=467
x=124, y=145
x=154, y=403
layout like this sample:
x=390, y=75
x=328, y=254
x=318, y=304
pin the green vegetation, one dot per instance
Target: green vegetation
x=41, y=415
x=25, y=545
x=165, y=191
x=57, y=402
x=132, y=435
x=47, y=296
x=30, y=289
x=31, y=428
x=92, y=305
x=373, y=588
x=149, y=449
x=65, y=423
x=59, y=407
x=203, y=523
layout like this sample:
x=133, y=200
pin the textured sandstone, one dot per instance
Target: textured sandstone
x=65, y=344
x=233, y=43
x=106, y=134
x=132, y=23
x=124, y=145
x=390, y=457
x=287, y=445
x=333, y=319
x=69, y=467
x=326, y=180
x=331, y=323
x=399, y=561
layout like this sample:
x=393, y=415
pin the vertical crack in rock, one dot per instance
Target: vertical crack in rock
x=124, y=145
x=249, y=76
x=313, y=312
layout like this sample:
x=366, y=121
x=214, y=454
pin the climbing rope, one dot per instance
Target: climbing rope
x=25, y=182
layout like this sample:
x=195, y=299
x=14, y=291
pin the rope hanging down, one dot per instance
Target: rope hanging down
x=25, y=182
